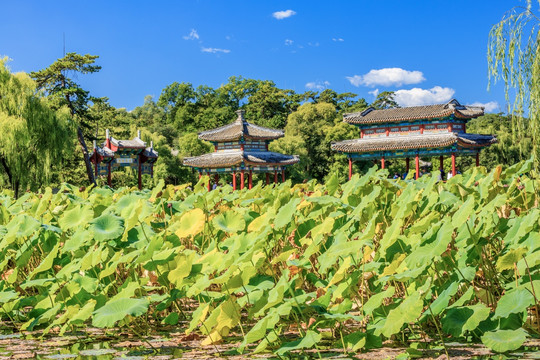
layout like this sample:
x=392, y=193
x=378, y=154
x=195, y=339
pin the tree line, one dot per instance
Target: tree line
x=49, y=122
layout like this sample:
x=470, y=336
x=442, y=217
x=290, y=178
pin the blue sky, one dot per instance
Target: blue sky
x=427, y=51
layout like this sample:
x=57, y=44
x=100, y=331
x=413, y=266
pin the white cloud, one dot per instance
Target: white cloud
x=338, y=39
x=491, y=106
x=374, y=92
x=283, y=14
x=418, y=96
x=288, y=42
x=193, y=35
x=215, y=50
x=387, y=77
x=317, y=85
x=314, y=44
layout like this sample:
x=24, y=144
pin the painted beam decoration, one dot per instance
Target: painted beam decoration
x=432, y=130
x=115, y=154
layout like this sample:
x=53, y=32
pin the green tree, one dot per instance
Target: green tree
x=385, y=100
x=62, y=90
x=513, y=57
x=34, y=138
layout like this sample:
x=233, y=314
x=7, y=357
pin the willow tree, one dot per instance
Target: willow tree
x=62, y=90
x=513, y=57
x=34, y=137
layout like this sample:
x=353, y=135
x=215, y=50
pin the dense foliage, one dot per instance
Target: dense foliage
x=286, y=267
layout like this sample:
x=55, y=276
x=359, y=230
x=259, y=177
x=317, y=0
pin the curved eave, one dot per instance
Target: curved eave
x=223, y=159
x=237, y=131
x=424, y=141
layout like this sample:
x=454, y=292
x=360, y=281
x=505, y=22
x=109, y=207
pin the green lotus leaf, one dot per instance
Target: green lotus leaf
x=230, y=222
x=77, y=217
x=461, y=319
x=504, y=340
x=514, y=301
x=107, y=227
x=286, y=214
x=308, y=341
x=7, y=296
x=21, y=226
x=512, y=257
x=116, y=310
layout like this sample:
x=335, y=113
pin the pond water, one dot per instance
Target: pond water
x=109, y=346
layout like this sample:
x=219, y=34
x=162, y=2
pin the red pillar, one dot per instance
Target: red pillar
x=250, y=180
x=275, y=176
x=241, y=179
x=478, y=159
x=417, y=161
x=109, y=176
x=139, y=172
x=267, y=178
x=282, y=175
x=200, y=175
x=453, y=164
x=234, y=180
x=382, y=162
x=350, y=168
x=407, y=165
x=441, y=162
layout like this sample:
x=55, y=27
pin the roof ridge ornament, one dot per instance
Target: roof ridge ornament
x=241, y=113
x=454, y=104
x=367, y=111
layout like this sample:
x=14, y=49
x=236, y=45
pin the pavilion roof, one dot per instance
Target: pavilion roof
x=235, y=157
x=412, y=113
x=149, y=152
x=134, y=143
x=416, y=141
x=103, y=151
x=240, y=128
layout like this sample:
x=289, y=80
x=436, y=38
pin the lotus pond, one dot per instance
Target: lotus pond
x=369, y=268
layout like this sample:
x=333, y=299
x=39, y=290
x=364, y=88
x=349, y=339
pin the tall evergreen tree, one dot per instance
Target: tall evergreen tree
x=62, y=90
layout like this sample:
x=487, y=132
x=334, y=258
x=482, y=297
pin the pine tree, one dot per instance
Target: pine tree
x=61, y=91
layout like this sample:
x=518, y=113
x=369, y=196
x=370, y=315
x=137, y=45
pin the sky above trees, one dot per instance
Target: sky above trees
x=427, y=52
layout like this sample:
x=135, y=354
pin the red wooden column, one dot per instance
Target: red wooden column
x=250, y=180
x=275, y=176
x=382, y=162
x=139, y=170
x=478, y=159
x=407, y=165
x=241, y=179
x=200, y=175
x=453, y=164
x=234, y=180
x=267, y=178
x=350, y=168
x=282, y=175
x=417, y=161
x=109, y=176
x=441, y=162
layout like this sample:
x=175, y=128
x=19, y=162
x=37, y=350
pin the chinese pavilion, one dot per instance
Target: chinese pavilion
x=115, y=154
x=241, y=147
x=433, y=130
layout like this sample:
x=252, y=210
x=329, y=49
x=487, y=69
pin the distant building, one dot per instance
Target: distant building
x=114, y=154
